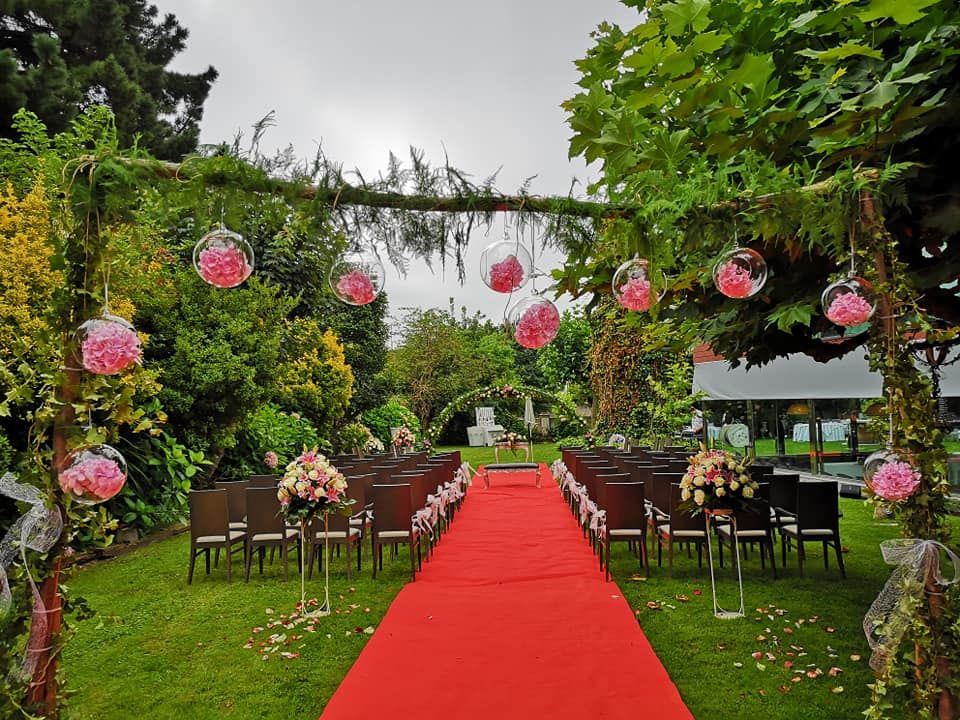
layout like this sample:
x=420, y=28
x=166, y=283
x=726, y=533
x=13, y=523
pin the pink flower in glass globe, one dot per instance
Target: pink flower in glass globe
x=734, y=280
x=635, y=294
x=506, y=275
x=109, y=346
x=93, y=476
x=895, y=481
x=538, y=325
x=223, y=265
x=357, y=287
x=849, y=310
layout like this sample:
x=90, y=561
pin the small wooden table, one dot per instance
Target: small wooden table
x=508, y=467
x=506, y=446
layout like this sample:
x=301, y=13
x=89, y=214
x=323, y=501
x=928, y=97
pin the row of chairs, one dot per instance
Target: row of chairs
x=620, y=495
x=395, y=500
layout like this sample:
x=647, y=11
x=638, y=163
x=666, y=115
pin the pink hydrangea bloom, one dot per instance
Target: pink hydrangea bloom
x=271, y=460
x=96, y=477
x=538, y=325
x=734, y=281
x=109, y=347
x=895, y=481
x=357, y=287
x=849, y=310
x=635, y=294
x=224, y=266
x=506, y=275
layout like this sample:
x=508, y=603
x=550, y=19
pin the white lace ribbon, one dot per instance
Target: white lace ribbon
x=37, y=529
x=887, y=620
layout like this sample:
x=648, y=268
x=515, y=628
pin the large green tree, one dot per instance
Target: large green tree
x=58, y=57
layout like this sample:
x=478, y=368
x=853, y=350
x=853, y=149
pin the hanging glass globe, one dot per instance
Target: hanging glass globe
x=534, y=322
x=357, y=278
x=890, y=476
x=505, y=266
x=740, y=273
x=636, y=286
x=223, y=258
x=93, y=474
x=848, y=302
x=107, y=345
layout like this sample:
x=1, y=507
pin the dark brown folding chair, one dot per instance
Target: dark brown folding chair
x=393, y=524
x=210, y=528
x=626, y=521
x=818, y=520
x=339, y=532
x=682, y=527
x=267, y=528
x=236, y=502
x=754, y=525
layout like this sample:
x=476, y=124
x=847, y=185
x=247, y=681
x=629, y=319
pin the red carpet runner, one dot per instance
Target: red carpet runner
x=510, y=619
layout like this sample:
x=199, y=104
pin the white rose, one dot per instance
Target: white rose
x=699, y=496
x=685, y=494
x=698, y=481
x=313, y=474
x=744, y=478
x=731, y=464
x=747, y=491
x=734, y=485
x=721, y=492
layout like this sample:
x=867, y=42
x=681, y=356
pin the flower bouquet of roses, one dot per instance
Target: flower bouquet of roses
x=311, y=485
x=716, y=479
x=404, y=438
x=512, y=440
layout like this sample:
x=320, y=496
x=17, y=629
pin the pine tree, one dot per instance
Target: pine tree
x=61, y=56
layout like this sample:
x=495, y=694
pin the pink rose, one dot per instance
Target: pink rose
x=635, y=294
x=271, y=460
x=895, y=481
x=849, y=310
x=109, y=347
x=357, y=287
x=506, y=275
x=224, y=265
x=95, y=477
x=538, y=325
x=734, y=281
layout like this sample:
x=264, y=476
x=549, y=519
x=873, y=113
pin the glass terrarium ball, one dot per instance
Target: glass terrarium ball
x=890, y=476
x=505, y=266
x=223, y=258
x=107, y=345
x=93, y=474
x=848, y=302
x=740, y=273
x=635, y=286
x=534, y=322
x=357, y=278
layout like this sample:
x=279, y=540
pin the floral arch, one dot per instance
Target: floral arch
x=565, y=409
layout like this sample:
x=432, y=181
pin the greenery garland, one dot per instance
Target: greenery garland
x=565, y=409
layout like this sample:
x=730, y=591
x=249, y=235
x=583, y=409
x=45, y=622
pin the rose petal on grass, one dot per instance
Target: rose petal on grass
x=738, y=664
x=761, y=667
x=698, y=592
x=855, y=658
x=834, y=671
x=788, y=664
x=761, y=638
x=796, y=678
x=837, y=690
x=761, y=691
x=784, y=689
x=830, y=629
x=757, y=655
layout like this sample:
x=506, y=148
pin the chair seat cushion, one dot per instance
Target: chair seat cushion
x=807, y=532
x=725, y=531
x=238, y=525
x=626, y=532
x=395, y=534
x=275, y=537
x=210, y=539
x=337, y=534
x=665, y=531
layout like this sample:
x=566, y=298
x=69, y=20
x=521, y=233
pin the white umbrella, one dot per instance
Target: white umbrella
x=529, y=420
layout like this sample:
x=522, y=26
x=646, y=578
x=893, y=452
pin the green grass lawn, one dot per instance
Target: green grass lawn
x=159, y=648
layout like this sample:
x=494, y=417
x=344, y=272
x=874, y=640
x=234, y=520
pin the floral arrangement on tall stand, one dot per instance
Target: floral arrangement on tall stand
x=312, y=486
x=403, y=440
x=716, y=479
x=512, y=440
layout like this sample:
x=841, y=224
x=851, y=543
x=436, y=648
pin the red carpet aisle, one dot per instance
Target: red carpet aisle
x=510, y=619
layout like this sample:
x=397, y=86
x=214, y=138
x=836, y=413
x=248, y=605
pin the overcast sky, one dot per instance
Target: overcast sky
x=364, y=77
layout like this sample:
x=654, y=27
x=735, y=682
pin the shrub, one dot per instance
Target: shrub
x=571, y=441
x=391, y=415
x=269, y=429
x=160, y=472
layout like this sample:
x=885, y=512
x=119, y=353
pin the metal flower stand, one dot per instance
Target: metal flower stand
x=324, y=608
x=710, y=518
